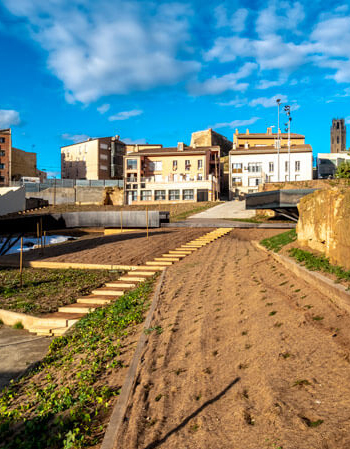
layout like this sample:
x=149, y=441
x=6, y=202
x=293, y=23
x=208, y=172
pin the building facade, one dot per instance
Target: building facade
x=5, y=156
x=338, y=136
x=327, y=163
x=255, y=160
x=210, y=138
x=100, y=158
x=248, y=139
x=180, y=174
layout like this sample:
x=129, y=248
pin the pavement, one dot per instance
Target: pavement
x=18, y=350
x=229, y=209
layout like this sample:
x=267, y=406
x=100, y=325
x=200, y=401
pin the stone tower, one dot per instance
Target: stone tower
x=338, y=136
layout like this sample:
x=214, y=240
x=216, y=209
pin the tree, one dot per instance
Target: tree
x=343, y=170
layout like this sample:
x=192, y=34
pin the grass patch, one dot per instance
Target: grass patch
x=319, y=263
x=18, y=325
x=65, y=402
x=45, y=290
x=277, y=242
x=185, y=210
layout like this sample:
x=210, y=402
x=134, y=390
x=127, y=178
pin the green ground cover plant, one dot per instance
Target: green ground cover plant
x=44, y=290
x=277, y=242
x=64, y=402
x=319, y=263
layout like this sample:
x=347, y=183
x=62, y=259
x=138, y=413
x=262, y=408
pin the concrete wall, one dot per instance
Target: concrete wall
x=23, y=164
x=72, y=195
x=324, y=223
x=12, y=199
x=129, y=219
x=312, y=184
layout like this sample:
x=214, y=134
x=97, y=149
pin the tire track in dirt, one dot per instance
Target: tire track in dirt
x=230, y=311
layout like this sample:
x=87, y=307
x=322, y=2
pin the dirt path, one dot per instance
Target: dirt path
x=249, y=357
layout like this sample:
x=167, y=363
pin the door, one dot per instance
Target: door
x=202, y=195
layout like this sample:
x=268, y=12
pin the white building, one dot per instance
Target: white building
x=327, y=163
x=260, y=164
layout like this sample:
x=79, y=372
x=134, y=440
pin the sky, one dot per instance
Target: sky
x=157, y=71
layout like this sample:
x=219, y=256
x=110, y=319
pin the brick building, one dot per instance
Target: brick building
x=5, y=156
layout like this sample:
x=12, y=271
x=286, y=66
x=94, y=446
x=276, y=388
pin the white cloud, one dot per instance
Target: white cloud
x=102, y=48
x=9, y=117
x=125, y=115
x=75, y=137
x=237, y=21
x=218, y=85
x=129, y=141
x=237, y=102
x=268, y=102
x=266, y=84
x=236, y=123
x=103, y=108
x=347, y=120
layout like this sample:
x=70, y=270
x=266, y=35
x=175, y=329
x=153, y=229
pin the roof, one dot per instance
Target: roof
x=272, y=149
x=90, y=140
x=172, y=151
x=269, y=136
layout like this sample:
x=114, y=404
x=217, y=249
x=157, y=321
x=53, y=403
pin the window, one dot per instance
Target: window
x=200, y=164
x=174, y=165
x=2, y=139
x=200, y=177
x=254, y=182
x=131, y=164
x=2, y=179
x=103, y=156
x=297, y=165
x=103, y=146
x=254, y=167
x=338, y=137
x=132, y=195
x=103, y=167
x=159, y=195
x=236, y=181
x=187, y=164
x=271, y=167
x=237, y=168
x=188, y=194
x=156, y=166
x=286, y=166
x=2, y=166
x=2, y=153
x=174, y=195
x=146, y=195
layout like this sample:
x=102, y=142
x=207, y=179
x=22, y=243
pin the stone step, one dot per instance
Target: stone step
x=186, y=248
x=79, y=308
x=95, y=300
x=60, y=319
x=46, y=330
x=141, y=273
x=132, y=278
x=148, y=268
x=180, y=253
x=157, y=263
x=108, y=291
x=167, y=259
x=120, y=285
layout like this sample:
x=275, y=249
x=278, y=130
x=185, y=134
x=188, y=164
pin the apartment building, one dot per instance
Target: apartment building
x=255, y=159
x=5, y=156
x=327, y=163
x=180, y=174
x=99, y=158
x=15, y=163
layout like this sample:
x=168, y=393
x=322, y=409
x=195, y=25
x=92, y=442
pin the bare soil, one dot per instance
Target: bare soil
x=250, y=357
x=122, y=249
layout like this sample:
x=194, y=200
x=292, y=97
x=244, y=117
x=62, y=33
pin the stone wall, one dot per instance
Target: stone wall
x=313, y=184
x=324, y=223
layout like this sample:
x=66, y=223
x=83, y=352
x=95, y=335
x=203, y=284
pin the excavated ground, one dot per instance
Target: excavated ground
x=248, y=356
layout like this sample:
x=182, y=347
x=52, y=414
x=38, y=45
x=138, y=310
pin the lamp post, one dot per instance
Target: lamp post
x=287, y=111
x=278, y=101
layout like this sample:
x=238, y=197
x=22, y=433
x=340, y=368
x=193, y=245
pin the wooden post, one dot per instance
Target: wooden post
x=147, y=219
x=44, y=239
x=37, y=232
x=41, y=232
x=121, y=220
x=21, y=264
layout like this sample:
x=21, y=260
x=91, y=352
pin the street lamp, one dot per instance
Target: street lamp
x=278, y=101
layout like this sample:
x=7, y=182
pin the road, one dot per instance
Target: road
x=243, y=355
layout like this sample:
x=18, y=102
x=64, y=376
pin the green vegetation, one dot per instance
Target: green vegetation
x=45, y=290
x=343, y=170
x=193, y=209
x=18, y=325
x=319, y=263
x=65, y=401
x=277, y=242
x=301, y=382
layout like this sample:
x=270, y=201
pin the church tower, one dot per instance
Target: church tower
x=338, y=136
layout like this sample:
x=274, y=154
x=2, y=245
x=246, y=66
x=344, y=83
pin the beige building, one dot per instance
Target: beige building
x=23, y=163
x=210, y=138
x=269, y=138
x=100, y=158
x=180, y=174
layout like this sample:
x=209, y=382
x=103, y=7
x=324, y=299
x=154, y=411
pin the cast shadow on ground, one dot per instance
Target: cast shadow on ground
x=158, y=442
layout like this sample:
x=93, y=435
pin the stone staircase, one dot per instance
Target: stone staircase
x=59, y=322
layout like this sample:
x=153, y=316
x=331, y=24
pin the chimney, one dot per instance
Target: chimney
x=247, y=132
x=136, y=149
x=117, y=137
x=234, y=146
x=236, y=132
x=180, y=146
x=269, y=131
x=246, y=145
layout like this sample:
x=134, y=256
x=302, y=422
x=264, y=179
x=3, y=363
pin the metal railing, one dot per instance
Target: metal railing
x=67, y=183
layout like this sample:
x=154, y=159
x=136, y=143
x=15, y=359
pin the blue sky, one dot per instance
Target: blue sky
x=156, y=71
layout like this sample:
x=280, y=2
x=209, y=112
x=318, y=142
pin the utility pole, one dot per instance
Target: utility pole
x=287, y=111
x=278, y=101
